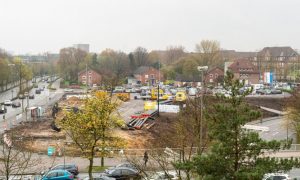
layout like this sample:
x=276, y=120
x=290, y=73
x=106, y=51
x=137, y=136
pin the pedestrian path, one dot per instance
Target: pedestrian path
x=273, y=111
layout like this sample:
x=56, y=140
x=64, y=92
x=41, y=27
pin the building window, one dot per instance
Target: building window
x=83, y=77
x=90, y=72
x=152, y=76
x=146, y=76
x=83, y=82
x=211, y=75
x=216, y=75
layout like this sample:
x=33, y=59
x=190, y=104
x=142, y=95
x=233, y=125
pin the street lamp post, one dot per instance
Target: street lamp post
x=158, y=88
x=201, y=69
x=12, y=91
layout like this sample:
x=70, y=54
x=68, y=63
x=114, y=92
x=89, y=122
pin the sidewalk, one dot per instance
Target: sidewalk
x=45, y=162
x=11, y=93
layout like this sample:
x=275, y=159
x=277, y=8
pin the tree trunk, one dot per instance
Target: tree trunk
x=91, y=167
x=102, y=161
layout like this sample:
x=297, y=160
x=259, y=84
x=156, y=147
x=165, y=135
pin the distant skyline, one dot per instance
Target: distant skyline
x=38, y=26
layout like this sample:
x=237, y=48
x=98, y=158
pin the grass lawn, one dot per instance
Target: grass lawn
x=66, y=83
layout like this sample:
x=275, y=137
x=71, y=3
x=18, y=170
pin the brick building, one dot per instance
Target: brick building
x=91, y=77
x=281, y=61
x=243, y=69
x=147, y=75
x=214, y=76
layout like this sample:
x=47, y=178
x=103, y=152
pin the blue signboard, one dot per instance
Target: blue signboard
x=51, y=151
x=271, y=77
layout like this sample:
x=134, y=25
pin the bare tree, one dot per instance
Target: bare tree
x=71, y=61
x=141, y=56
x=14, y=160
x=209, y=52
x=173, y=54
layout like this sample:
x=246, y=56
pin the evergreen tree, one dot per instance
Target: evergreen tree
x=237, y=153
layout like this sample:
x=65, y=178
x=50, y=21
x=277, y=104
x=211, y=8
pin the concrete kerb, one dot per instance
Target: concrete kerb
x=264, y=120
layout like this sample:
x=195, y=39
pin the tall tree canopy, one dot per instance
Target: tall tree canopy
x=92, y=127
x=71, y=62
x=237, y=153
x=209, y=53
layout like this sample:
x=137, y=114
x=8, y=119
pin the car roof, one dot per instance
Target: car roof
x=58, y=170
x=276, y=174
x=123, y=168
x=69, y=164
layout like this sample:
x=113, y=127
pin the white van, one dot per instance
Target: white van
x=257, y=86
x=192, y=91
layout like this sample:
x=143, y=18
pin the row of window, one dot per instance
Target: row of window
x=84, y=77
x=244, y=75
x=211, y=75
x=246, y=69
x=151, y=76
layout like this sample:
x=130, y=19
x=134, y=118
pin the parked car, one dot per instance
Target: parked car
x=72, y=168
x=21, y=96
x=37, y=91
x=123, y=173
x=275, y=176
x=7, y=102
x=164, y=176
x=192, y=91
x=119, y=89
x=100, y=178
x=126, y=164
x=276, y=91
x=58, y=175
x=2, y=109
x=68, y=90
x=16, y=104
x=31, y=96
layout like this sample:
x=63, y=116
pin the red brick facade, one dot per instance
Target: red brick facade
x=243, y=69
x=93, y=77
x=148, y=75
x=214, y=76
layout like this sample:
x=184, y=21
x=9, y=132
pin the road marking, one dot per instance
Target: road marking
x=275, y=133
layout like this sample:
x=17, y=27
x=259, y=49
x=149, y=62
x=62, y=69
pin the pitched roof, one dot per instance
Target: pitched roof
x=278, y=51
x=232, y=54
x=241, y=65
x=214, y=68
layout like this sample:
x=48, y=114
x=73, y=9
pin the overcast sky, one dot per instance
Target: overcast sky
x=36, y=26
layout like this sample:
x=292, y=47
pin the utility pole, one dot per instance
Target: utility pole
x=12, y=91
x=158, y=88
x=27, y=107
x=86, y=79
x=201, y=69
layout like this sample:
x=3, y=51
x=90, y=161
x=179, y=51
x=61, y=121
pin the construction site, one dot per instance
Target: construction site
x=142, y=126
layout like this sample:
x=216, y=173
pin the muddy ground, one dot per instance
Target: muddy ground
x=40, y=135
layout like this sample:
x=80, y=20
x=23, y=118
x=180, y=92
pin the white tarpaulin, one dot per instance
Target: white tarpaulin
x=19, y=116
x=168, y=108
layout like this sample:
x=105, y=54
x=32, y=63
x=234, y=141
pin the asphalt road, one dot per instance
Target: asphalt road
x=44, y=99
x=277, y=129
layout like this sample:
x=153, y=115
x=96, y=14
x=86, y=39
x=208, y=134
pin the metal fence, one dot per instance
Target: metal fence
x=294, y=147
